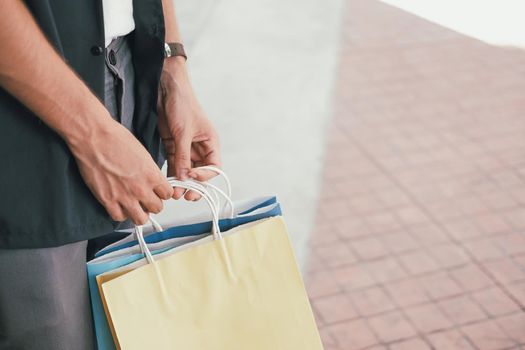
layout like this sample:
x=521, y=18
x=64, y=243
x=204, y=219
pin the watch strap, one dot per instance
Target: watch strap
x=174, y=49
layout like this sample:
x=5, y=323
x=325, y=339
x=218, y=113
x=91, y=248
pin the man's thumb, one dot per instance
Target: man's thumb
x=182, y=157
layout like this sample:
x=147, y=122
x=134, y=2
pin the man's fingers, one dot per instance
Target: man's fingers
x=116, y=212
x=153, y=204
x=172, y=166
x=210, y=151
x=137, y=214
x=182, y=162
x=192, y=196
x=163, y=190
x=202, y=174
x=209, y=154
x=182, y=157
x=178, y=192
x=199, y=153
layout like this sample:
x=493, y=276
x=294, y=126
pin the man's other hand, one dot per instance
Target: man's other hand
x=121, y=173
x=189, y=137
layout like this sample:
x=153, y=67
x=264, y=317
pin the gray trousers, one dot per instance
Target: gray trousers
x=44, y=297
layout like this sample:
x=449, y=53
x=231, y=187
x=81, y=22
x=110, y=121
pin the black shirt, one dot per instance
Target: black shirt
x=43, y=199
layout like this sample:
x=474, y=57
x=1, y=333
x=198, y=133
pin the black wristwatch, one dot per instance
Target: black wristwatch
x=174, y=49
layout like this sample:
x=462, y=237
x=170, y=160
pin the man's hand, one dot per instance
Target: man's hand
x=189, y=138
x=120, y=173
x=118, y=170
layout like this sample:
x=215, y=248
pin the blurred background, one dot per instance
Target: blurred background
x=393, y=133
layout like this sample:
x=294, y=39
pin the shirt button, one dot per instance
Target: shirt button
x=97, y=50
x=112, y=58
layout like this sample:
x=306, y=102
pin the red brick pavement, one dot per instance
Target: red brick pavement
x=420, y=235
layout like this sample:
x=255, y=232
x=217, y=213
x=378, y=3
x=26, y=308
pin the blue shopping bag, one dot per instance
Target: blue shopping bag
x=190, y=229
x=104, y=261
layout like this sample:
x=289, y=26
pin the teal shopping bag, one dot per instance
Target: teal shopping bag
x=127, y=252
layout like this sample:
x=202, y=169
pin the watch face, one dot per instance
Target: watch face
x=167, y=50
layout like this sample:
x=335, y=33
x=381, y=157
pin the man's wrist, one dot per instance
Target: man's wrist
x=174, y=73
x=174, y=64
x=90, y=120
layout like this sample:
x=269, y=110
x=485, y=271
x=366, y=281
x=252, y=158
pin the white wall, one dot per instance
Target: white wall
x=263, y=69
x=498, y=22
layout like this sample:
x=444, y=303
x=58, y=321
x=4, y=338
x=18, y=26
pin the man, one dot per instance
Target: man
x=87, y=91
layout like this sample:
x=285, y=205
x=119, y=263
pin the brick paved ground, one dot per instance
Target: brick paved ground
x=420, y=234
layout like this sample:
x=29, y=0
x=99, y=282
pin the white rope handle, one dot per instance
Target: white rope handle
x=213, y=190
x=208, y=191
x=200, y=189
x=192, y=186
x=221, y=173
x=216, y=190
x=156, y=226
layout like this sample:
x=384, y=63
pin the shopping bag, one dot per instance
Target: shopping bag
x=240, y=290
x=127, y=252
x=245, y=211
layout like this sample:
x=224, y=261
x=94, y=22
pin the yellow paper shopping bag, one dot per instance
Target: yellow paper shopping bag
x=240, y=292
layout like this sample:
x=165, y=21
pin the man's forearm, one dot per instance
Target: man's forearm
x=189, y=138
x=170, y=22
x=172, y=34
x=38, y=77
